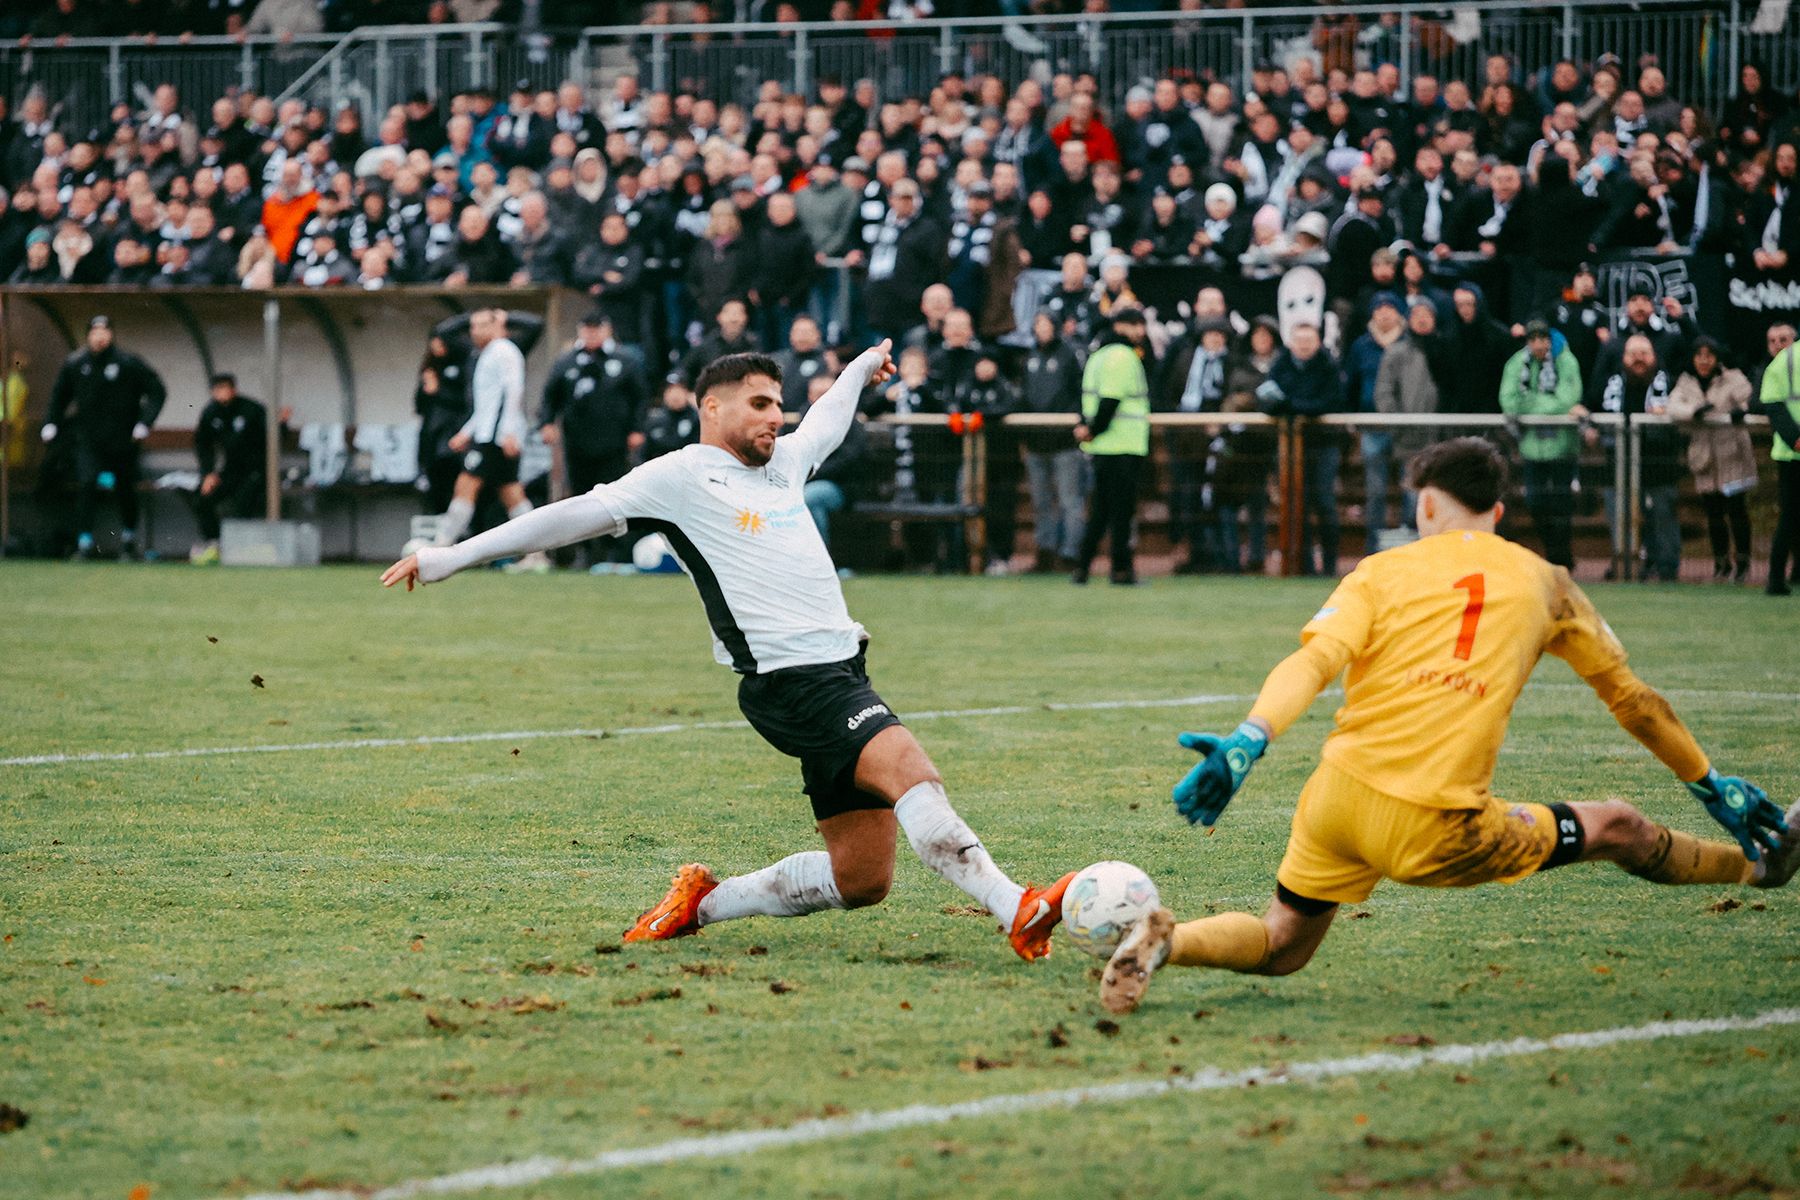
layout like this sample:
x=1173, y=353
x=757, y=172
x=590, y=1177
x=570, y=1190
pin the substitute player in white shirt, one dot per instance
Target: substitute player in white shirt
x=732, y=509
x=491, y=439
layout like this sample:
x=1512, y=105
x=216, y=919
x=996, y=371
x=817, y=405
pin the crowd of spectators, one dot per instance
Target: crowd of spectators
x=982, y=223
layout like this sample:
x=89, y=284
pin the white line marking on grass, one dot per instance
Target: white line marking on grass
x=1211, y=1079
x=526, y=735
x=529, y=735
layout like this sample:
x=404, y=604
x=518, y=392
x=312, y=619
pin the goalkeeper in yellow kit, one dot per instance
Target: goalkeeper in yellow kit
x=1439, y=637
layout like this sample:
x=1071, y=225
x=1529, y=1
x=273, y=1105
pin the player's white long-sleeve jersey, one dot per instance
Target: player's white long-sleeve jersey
x=497, y=394
x=742, y=533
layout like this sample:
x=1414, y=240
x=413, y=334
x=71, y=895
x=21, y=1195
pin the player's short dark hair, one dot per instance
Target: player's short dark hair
x=734, y=368
x=223, y=379
x=1470, y=469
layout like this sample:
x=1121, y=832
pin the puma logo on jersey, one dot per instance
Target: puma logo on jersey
x=874, y=710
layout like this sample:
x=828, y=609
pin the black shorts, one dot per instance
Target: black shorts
x=490, y=464
x=823, y=716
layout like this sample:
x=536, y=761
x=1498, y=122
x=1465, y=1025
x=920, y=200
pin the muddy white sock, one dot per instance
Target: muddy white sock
x=946, y=844
x=797, y=885
x=518, y=510
x=455, y=522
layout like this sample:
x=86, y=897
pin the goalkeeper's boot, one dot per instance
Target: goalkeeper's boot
x=1779, y=865
x=677, y=914
x=1141, y=952
x=1039, y=911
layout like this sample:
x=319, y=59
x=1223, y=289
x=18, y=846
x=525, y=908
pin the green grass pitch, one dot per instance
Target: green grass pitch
x=352, y=967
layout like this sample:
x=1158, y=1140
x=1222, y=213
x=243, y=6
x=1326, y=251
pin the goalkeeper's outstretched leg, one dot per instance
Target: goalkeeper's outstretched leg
x=1284, y=938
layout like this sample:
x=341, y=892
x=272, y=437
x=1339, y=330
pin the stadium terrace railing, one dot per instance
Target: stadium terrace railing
x=1614, y=465
x=1700, y=45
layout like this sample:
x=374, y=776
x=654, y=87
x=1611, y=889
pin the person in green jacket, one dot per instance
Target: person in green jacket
x=1543, y=379
x=1115, y=434
x=1780, y=399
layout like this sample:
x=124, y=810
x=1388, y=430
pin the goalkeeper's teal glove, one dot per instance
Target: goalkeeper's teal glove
x=1204, y=791
x=1744, y=809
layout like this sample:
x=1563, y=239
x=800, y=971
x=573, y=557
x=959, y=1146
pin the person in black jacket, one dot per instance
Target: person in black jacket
x=985, y=394
x=479, y=256
x=441, y=398
x=804, y=360
x=612, y=272
x=102, y=405
x=1055, y=467
x=594, y=402
x=730, y=336
x=672, y=424
x=1634, y=382
x=906, y=254
x=231, y=447
x=721, y=266
x=1482, y=346
x=784, y=271
x=1304, y=381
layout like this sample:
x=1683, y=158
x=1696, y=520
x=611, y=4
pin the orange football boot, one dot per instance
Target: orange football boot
x=677, y=914
x=1039, y=911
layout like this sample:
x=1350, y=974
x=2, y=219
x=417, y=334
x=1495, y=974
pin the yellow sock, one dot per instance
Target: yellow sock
x=1683, y=858
x=1232, y=941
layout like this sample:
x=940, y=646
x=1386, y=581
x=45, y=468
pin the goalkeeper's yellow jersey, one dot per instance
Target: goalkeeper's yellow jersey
x=1443, y=634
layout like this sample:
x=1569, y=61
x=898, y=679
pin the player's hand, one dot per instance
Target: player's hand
x=884, y=363
x=406, y=569
x=509, y=446
x=551, y=434
x=1204, y=791
x=210, y=484
x=1744, y=809
x=461, y=442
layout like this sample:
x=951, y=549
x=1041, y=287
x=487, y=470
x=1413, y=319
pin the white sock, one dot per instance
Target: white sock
x=797, y=885
x=455, y=522
x=946, y=844
x=518, y=510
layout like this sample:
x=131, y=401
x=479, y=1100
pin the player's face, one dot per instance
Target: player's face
x=745, y=418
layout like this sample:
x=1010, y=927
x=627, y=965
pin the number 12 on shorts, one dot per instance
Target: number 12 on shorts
x=1476, y=586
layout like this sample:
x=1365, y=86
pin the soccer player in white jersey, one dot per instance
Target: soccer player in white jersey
x=732, y=509
x=491, y=439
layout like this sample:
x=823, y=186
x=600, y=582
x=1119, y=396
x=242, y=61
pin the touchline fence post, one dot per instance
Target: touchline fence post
x=1634, y=525
x=974, y=491
x=272, y=389
x=802, y=55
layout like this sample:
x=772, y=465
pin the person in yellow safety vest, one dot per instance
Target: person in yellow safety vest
x=13, y=394
x=1780, y=398
x=1115, y=433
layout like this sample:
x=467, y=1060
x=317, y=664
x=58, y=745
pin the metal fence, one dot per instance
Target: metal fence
x=1699, y=43
x=1308, y=496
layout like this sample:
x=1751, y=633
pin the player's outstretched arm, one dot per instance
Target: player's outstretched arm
x=1744, y=809
x=1290, y=689
x=561, y=524
x=828, y=420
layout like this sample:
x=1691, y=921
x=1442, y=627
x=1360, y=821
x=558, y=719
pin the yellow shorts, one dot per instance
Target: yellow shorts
x=1347, y=837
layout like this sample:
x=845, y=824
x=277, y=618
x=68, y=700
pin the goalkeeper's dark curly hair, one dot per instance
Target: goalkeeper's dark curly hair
x=1470, y=469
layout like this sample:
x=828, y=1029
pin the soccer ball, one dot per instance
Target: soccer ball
x=1103, y=902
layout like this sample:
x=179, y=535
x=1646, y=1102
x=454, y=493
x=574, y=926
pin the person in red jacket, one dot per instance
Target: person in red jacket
x=1085, y=126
